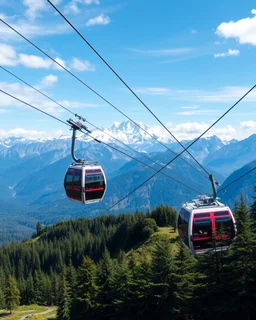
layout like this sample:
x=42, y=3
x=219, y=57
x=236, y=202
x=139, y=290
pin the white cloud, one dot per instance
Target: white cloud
x=99, y=20
x=152, y=91
x=248, y=124
x=164, y=52
x=88, y=2
x=9, y=57
x=225, y=95
x=197, y=112
x=61, y=62
x=222, y=95
x=227, y=54
x=34, y=98
x=29, y=29
x=30, y=134
x=49, y=80
x=73, y=6
x=191, y=130
x=243, y=30
x=35, y=62
x=34, y=7
x=81, y=65
x=190, y=107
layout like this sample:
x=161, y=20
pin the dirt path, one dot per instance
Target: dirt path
x=34, y=314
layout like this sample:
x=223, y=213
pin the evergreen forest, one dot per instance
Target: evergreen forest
x=124, y=267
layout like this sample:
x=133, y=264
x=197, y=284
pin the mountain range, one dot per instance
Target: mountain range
x=32, y=172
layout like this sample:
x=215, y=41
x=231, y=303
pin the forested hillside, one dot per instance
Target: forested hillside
x=126, y=267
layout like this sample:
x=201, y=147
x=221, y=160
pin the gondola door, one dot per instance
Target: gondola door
x=73, y=184
x=202, y=232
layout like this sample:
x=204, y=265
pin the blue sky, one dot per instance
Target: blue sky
x=189, y=61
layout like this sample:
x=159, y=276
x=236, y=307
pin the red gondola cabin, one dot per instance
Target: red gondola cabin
x=205, y=226
x=85, y=183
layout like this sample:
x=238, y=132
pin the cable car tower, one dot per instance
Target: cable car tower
x=205, y=224
x=85, y=181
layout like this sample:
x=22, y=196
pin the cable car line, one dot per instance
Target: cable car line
x=229, y=184
x=28, y=104
x=81, y=118
x=193, y=142
x=97, y=140
x=29, y=85
x=87, y=86
x=127, y=86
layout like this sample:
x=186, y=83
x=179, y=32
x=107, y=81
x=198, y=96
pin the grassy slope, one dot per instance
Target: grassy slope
x=29, y=312
x=147, y=247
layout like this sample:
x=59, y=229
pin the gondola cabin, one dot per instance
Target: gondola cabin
x=85, y=183
x=205, y=225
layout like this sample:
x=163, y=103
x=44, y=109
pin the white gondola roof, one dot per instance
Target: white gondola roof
x=204, y=202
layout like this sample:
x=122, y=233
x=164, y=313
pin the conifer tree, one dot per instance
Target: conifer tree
x=2, y=286
x=140, y=294
x=253, y=209
x=161, y=270
x=63, y=311
x=242, y=266
x=87, y=290
x=12, y=294
x=185, y=278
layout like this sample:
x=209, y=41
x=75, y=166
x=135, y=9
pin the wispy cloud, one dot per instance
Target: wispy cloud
x=34, y=98
x=9, y=57
x=197, y=112
x=81, y=65
x=152, y=91
x=191, y=130
x=29, y=29
x=243, y=30
x=227, y=54
x=73, y=7
x=190, y=107
x=248, y=124
x=48, y=81
x=221, y=95
x=99, y=20
x=35, y=7
x=164, y=52
x=30, y=134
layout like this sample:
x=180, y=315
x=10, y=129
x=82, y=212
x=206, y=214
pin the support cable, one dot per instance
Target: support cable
x=182, y=151
x=97, y=140
x=81, y=118
x=127, y=86
x=88, y=87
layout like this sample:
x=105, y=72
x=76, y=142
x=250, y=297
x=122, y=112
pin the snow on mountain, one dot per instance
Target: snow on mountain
x=126, y=132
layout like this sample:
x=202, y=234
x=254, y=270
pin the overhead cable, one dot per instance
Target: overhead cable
x=229, y=184
x=181, y=151
x=61, y=105
x=125, y=83
x=46, y=113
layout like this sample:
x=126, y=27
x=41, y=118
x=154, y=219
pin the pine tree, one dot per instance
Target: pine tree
x=12, y=294
x=63, y=311
x=242, y=267
x=185, y=278
x=253, y=209
x=2, y=286
x=85, y=301
x=162, y=268
x=140, y=294
x=2, y=299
